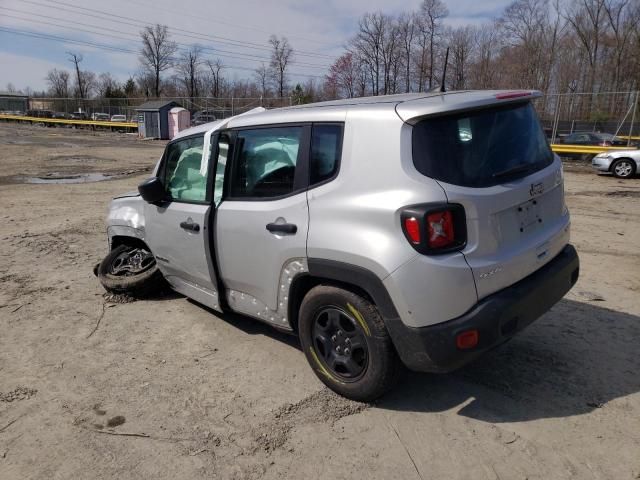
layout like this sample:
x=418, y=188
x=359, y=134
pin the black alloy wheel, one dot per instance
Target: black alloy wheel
x=341, y=343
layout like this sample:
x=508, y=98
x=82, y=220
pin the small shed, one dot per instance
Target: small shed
x=153, y=119
x=179, y=119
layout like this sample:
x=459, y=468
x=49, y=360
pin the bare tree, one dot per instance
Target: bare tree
x=623, y=19
x=432, y=13
x=486, y=45
x=58, y=81
x=390, y=54
x=145, y=82
x=461, y=42
x=587, y=18
x=188, y=67
x=368, y=44
x=262, y=76
x=89, y=82
x=216, y=68
x=106, y=85
x=157, y=52
x=343, y=76
x=407, y=33
x=281, y=57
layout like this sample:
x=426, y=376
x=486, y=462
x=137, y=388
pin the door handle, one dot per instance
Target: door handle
x=190, y=225
x=289, y=228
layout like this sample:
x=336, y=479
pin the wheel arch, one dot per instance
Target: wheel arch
x=125, y=234
x=118, y=240
x=634, y=163
x=342, y=275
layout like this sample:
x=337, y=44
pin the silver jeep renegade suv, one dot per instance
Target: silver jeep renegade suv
x=418, y=229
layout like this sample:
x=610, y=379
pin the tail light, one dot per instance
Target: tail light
x=412, y=229
x=605, y=144
x=435, y=228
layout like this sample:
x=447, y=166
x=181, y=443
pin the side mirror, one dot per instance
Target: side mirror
x=152, y=190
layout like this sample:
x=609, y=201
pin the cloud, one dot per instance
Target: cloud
x=317, y=30
x=22, y=71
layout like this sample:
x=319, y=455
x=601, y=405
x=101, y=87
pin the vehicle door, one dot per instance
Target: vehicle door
x=178, y=229
x=262, y=222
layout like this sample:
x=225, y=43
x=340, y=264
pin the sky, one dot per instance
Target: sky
x=36, y=34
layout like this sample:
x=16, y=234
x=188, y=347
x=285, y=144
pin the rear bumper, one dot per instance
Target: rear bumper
x=496, y=318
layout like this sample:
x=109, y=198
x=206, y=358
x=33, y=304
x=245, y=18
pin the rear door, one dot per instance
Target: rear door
x=177, y=230
x=496, y=163
x=262, y=222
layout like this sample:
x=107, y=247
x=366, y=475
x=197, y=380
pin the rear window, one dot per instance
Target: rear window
x=481, y=148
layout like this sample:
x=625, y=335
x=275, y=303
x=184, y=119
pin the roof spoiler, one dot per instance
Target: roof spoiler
x=412, y=111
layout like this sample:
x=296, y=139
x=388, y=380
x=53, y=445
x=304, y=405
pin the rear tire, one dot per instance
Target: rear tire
x=623, y=168
x=346, y=343
x=128, y=269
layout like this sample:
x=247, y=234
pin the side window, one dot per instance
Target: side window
x=221, y=164
x=266, y=162
x=182, y=177
x=326, y=148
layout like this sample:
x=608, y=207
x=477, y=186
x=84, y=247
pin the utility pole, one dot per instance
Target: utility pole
x=633, y=118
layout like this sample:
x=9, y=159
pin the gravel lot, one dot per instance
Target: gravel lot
x=94, y=387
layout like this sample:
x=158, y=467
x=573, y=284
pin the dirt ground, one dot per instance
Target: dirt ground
x=94, y=388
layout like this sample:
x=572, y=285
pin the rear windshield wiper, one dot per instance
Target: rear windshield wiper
x=525, y=167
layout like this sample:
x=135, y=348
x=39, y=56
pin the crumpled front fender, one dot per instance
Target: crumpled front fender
x=126, y=218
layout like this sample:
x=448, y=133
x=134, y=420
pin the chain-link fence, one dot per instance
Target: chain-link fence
x=206, y=106
x=612, y=112
x=617, y=113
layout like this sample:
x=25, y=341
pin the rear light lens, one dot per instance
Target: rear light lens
x=467, y=340
x=435, y=228
x=412, y=229
x=605, y=144
x=440, y=226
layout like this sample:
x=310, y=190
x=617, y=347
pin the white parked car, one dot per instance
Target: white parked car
x=621, y=163
x=118, y=118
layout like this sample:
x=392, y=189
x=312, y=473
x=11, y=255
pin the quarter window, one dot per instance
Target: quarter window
x=182, y=176
x=326, y=147
x=266, y=163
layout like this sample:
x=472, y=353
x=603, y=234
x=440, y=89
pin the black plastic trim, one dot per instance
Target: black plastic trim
x=288, y=228
x=210, y=223
x=361, y=277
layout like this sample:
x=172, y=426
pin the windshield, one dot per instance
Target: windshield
x=481, y=148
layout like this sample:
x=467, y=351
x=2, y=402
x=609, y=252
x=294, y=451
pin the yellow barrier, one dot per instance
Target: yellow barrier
x=562, y=148
x=69, y=122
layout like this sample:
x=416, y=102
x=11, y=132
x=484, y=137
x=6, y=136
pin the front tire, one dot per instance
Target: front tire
x=346, y=343
x=623, y=168
x=129, y=269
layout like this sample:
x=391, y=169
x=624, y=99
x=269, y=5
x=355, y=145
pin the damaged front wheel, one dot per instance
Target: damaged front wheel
x=128, y=269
